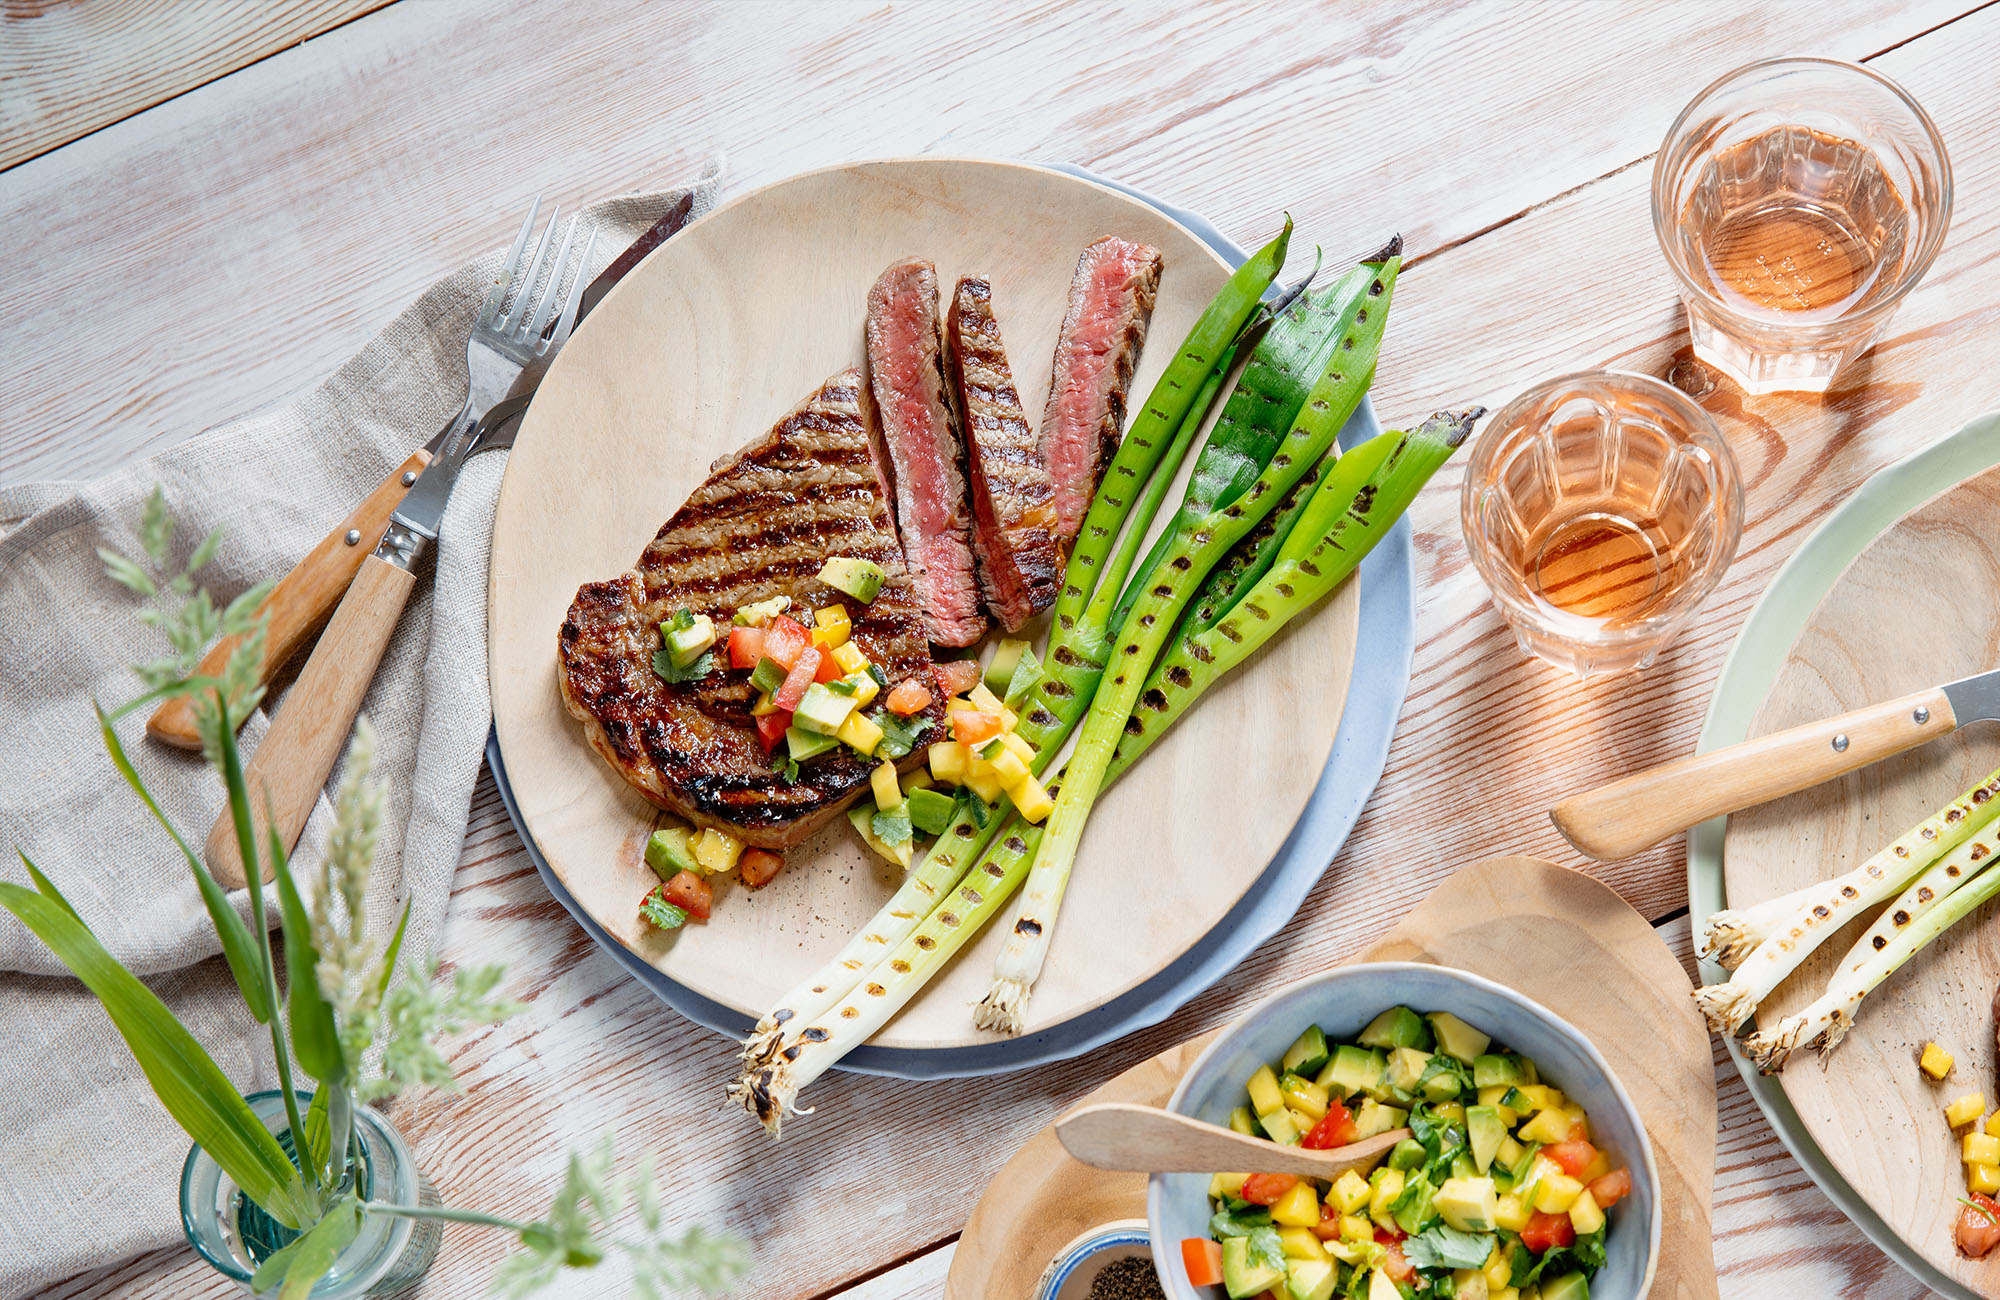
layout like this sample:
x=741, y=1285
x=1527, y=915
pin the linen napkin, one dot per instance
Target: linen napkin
x=92, y=1161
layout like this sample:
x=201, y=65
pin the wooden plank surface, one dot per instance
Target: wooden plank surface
x=1529, y=124
x=69, y=67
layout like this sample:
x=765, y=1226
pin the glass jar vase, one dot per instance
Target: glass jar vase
x=386, y=1256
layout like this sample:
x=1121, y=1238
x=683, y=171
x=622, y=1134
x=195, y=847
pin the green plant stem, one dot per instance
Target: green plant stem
x=447, y=1214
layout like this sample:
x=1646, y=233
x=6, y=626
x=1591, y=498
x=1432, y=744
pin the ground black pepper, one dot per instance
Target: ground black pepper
x=1127, y=1279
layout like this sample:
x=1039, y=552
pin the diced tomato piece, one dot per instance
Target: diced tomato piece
x=758, y=867
x=1203, y=1260
x=1978, y=1227
x=1612, y=1188
x=1265, y=1189
x=771, y=729
x=1545, y=1232
x=973, y=727
x=1572, y=1157
x=746, y=647
x=804, y=668
x=1337, y=1129
x=1580, y=1131
x=1396, y=1264
x=958, y=676
x=909, y=697
x=1388, y=1236
x=1328, y=1227
x=829, y=667
x=784, y=641
x=691, y=894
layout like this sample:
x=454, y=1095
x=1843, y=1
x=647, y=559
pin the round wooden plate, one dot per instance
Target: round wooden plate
x=699, y=350
x=1920, y=605
x=1562, y=938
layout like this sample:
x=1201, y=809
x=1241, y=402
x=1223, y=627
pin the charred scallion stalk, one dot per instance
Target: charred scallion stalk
x=1818, y=911
x=1199, y=544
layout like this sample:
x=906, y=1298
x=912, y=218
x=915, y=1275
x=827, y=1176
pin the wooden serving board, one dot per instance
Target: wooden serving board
x=1560, y=937
x=699, y=350
x=1920, y=606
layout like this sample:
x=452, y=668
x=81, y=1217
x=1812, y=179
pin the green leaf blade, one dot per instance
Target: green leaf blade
x=315, y=1036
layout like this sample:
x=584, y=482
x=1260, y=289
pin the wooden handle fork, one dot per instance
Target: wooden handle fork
x=1148, y=1140
x=1629, y=815
x=303, y=598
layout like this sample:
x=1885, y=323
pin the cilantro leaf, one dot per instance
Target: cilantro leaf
x=840, y=686
x=892, y=827
x=899, y=735
x=1444, y=1246
x=662, y=913
x=1238, y=1219
x=678, y=621
x=974, y=805
x=1266, y=1249
x=663, y=666
x=788, y=767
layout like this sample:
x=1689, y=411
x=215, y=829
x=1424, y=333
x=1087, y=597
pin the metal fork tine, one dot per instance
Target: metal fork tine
x=553, y=293
x=490, y=309
x=567, y=320
x=518, y=313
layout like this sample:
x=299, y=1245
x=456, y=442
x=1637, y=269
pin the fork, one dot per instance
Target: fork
x=512, y=340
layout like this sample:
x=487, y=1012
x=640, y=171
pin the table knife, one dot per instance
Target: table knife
x=304, y=599
x=1638, y=811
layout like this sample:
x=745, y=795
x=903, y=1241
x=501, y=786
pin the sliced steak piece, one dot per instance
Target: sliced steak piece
x=1013, y=502
x=760, y=526
x=1103, y=330
x=921, y=449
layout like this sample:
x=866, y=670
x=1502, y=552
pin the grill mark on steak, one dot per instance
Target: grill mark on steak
x=1103, y=331
x=921, y=448
x=759, y=526
x=1013, y=510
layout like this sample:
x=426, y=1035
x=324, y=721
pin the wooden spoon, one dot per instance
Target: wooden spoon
x=1148, y=1140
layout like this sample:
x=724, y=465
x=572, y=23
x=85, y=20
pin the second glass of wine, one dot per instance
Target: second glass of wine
x=1798, y=201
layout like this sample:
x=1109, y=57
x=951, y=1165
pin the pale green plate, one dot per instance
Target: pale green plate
x=1753, y=664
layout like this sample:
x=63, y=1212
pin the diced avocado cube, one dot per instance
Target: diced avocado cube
x=1026, y=674
x=1468, y=1204
x=1308, y=1053
x=861, y=579
x=1241, y=1277
x=930, y=812
x=1442, y=1087
x=1407, y=1155
x=690, y=640
x=1492, y=1070
x=1406, y=1068
x=821, y=710
x=1281, y=1127
x=1568, y=1286
x=1374, y=1117
x=1352, y=1070
x=1244, y=1122
x=1413, y=1207
x=1000, y=668
x=1484, y=1132
x=1310, y=1279
x=761, y=612
x=1263, y=1089
x=803, y=744
x=1396, y=1027
x=768, y=676
x=1222, y=1185
x=669, y=852
x=1457, y=1039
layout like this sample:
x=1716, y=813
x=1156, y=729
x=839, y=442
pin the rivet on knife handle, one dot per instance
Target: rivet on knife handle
x=303, y=598
x=1633, y=814
x=293, y=760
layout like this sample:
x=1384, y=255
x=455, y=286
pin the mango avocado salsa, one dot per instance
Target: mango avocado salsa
x=1497, y=1194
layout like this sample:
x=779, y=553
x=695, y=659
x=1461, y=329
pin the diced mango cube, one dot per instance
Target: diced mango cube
x=1981, y=1149
x=1349, y=1192
x=985, y=699
x=860, y=732
x=1007, y=766
x=864, y=687
x=833, y=626
x=888, y=792
x=1021, y=747
x=717, y=851
x=1558, y=1191
x=1387, y=1185
x=1511, y=1213
x=1965, y=1110
x=1263, y=1089
x=1300, y=1243
x=1032, y=801
x=848, y=655
x=1984, y=1179
x=764, y=707
x=1499, y=1269
x=1298, y=1208
x=948, y=761
x=979, y=779
x=1356, y=1228
x=1993, y=1123
x=1221, y=1185
x=1585, y=1215
x=1935, y=1061
x=1304, y=1096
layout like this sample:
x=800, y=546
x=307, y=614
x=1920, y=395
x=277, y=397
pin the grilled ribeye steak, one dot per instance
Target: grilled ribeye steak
x=1103, y=330
x=760, y=526
x=922, y=448
x=1013, y=502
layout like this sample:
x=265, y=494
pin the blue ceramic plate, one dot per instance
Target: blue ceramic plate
x=1380, y=679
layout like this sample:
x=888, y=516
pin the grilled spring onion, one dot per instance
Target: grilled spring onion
x=1831, y=1015
x=1812, y=915
x=1297, y=582
x=1199, y=544
x=1183, y=396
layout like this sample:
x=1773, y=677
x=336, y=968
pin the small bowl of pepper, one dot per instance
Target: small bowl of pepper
x=1113, y=1261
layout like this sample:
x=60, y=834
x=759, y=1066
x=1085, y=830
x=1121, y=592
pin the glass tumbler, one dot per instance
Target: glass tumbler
x=1798, y=200
x=1601, y=509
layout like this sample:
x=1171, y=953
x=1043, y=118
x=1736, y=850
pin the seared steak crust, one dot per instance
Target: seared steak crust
x=1013, y=510
x=1104, y=328
x=760, y=526
x=923, y=448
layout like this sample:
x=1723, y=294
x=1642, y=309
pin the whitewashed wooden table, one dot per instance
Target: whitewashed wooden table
x=209, y=203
